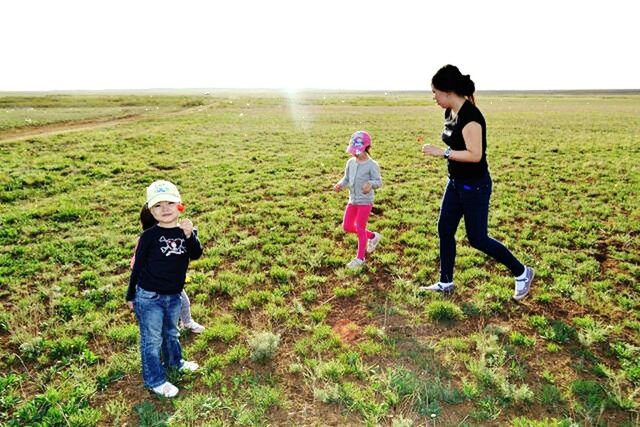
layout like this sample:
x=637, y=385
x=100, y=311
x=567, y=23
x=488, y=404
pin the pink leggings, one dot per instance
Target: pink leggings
x=355, y=221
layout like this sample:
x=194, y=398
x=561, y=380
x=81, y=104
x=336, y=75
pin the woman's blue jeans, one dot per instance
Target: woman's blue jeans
x=159, y=346
x=469, y=199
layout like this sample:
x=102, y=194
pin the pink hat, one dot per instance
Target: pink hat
x=359, y=142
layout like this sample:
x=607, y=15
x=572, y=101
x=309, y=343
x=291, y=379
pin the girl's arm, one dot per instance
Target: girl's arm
x=375, y=179
x=345, y=179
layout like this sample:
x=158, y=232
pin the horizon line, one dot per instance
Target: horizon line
x=207, y=90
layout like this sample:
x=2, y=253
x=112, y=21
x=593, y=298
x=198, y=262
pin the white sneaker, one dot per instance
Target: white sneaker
x=355, y=263
x=166, y=389
x=523, y=286
x=189, y=366
x=372, y=243
x=445, y=288
x=193, y=326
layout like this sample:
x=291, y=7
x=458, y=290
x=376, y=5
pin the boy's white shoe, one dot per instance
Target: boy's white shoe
x=193, y=326
x=189, y=366
x=166, y=389
x=355, y=263
x=445, y=288
x=372, y=243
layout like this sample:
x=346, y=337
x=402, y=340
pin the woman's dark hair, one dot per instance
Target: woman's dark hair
x=146, y=218
x=450, y=79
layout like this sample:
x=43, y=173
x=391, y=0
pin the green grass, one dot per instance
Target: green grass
x=257, y=183
x=443, y=311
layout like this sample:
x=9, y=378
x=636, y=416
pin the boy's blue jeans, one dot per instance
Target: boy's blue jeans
x=469, y=199
x=158, y=320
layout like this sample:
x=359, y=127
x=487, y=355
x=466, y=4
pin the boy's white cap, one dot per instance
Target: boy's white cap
x=162, y=191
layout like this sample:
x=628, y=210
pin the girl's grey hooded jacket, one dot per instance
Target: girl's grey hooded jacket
x=355, y=175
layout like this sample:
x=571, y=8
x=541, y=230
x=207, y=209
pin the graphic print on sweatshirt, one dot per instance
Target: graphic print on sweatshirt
x=173, y=246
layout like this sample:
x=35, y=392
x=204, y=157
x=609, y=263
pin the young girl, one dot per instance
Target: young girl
x=361, y=175
x=147, y=221
x=157, y=279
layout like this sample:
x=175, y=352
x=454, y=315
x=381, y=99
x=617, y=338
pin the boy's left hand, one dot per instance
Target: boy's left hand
x=366, y=187
x=187, y=226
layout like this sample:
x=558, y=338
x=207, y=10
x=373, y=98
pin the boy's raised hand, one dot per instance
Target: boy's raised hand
x=366, y=187
x=187, y=226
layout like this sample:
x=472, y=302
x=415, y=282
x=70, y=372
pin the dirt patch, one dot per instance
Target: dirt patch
x=348, y=331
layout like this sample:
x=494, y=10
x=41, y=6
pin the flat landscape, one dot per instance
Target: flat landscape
x=347, y=347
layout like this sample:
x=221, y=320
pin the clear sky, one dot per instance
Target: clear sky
x=320, y=44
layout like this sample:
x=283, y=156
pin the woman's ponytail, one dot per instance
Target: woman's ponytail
x=467, y=88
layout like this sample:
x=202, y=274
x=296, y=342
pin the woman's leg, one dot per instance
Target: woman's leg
x=450, y=214
x=476, y=216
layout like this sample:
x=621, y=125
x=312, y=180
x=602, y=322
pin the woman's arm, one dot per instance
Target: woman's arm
x=472, y=134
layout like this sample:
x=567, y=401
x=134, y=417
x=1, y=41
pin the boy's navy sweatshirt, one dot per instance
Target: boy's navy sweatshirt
x=161, y=262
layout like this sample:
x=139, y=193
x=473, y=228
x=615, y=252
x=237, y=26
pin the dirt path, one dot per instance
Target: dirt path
x=64, y=127
x=82, y=125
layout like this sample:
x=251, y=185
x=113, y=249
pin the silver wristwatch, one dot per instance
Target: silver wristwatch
x=447, y=152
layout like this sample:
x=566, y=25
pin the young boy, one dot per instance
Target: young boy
x=157, y=279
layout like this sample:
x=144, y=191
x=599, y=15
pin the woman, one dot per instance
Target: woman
x=468, y=189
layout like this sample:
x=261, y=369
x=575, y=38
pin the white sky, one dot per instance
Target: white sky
x=323, y=44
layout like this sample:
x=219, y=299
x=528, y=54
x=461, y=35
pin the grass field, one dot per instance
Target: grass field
x=346, y=348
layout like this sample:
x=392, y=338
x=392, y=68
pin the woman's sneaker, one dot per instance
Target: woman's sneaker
x=372, y=243
x=523, y=285
x=189, y=366
x=166, y=389
x=355, y=263
x=445, y=288
x=193, y=326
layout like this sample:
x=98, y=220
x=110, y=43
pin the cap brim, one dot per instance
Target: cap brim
x=162, y=198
